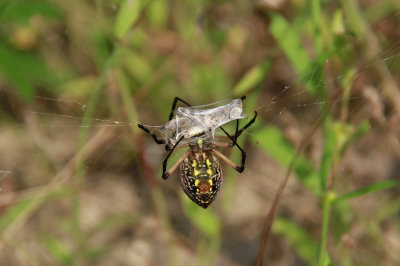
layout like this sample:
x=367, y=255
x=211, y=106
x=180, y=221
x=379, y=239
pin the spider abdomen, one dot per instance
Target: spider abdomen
x=201, y=177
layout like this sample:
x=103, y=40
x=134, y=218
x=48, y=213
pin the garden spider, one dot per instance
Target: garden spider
x=200, y=170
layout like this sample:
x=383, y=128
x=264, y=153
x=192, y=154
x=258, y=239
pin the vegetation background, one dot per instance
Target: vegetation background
x=81, y=185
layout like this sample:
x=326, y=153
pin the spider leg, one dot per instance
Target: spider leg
x=234, y=166
x=176, y=164
x=229, y=162
x=238, y=133
x=224, y=144
x=157, y=140
x=166, y=174
x=176, y=99
x=237, y=127
x=233, y=139
x=174, y=106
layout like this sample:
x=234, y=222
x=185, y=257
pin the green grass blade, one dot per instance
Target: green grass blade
x=128, y=14
x=328, y=153
x=298, y=237
x=205, y=220
x=158, y=13
x=323, y=257
x=252, y=78
x=317, y=19
x=363, y=128
x=355, y=17
x=24, y=70
x=368, y=189
x=58, y=250
x=14, y=212
x=289, y=41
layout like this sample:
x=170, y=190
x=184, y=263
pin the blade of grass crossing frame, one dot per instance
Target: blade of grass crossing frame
x=368, y=189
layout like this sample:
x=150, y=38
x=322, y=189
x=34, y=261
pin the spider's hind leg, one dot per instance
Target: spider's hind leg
x=157, y=140
x=234, y=143
x=233, y=139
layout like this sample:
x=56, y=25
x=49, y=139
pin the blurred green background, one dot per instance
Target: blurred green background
x=81, y=185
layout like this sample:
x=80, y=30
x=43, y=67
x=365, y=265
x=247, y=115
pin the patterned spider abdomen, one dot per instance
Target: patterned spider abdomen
x=201, y=177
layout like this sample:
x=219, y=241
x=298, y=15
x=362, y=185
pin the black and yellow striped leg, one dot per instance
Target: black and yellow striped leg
x=157, y=140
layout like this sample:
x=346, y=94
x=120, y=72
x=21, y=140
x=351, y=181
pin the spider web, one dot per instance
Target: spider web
x=285, y=100
x=281, y=108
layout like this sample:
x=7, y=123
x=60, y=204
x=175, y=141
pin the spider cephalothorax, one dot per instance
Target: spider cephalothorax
x=201, y=174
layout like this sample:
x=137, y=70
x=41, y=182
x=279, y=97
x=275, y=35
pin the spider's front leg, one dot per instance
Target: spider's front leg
x=176, y=99
x=238, y=133
x=157, y=140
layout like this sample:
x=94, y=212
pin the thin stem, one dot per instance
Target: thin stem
x=326, y=208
